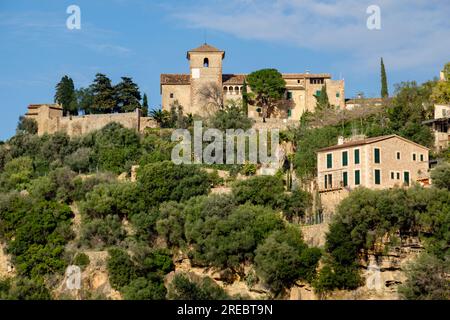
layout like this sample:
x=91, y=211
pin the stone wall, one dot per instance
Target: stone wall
x=50, y=120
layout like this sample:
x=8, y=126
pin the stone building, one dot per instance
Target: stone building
x=205, y=68
x=375, y=163
x=50, y=119
x=440, y=125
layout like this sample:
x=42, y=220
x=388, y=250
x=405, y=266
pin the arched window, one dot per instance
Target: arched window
x=231, y=89
x=225, y=90
x=206, y=63
x=236, y=89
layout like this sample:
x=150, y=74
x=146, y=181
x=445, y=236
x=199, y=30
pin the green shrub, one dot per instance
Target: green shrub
x=101, y=233
x=183, y=288
x=81, y=259
x=165, y=181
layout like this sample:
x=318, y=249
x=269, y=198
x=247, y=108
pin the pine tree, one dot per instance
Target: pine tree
x=245, y=99
x=127, y=95
x=145, y=105
x=66, y=97
x=322, y=99
x=103, y=95
x=384, y=87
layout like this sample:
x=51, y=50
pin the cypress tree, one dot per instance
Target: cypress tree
x=145, y=105
x=384, y=87
x=245, y=99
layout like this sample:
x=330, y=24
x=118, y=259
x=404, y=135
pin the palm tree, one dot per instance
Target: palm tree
x=158, y=116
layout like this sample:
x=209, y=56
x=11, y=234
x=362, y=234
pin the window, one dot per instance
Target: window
x=356, y=156
x=376, y=155
x=337, y=95
x=398, y=175
x=414, y=157
x=406, y=178
x=298, y=81
x=345, y=179
x=206, y=63
x=329, y=161
x=328, y=181
x=392, y=175
x=171, y=95
x=344, y=158
x=289, y=95
x=289, y=113
x=357, y=177
x=398, y=155
x=421, y=157
x=318, y=93
x=377, y=176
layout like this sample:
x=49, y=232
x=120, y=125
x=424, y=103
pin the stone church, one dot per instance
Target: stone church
x=205, y=66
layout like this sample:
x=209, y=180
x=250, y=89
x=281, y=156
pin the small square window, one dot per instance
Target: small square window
x=421, y=157
x=398, y=175
x=414, y=157
x=171, y=95
x=392, y=176
x=337, y=95
x=398, y=155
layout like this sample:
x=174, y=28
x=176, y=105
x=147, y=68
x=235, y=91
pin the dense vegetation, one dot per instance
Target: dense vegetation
x=366, y=217
x=168, y=213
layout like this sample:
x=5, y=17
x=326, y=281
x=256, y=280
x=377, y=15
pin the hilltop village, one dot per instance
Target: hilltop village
x=355, y=206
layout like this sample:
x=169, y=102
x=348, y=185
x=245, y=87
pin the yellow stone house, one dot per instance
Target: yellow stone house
x=375, y=163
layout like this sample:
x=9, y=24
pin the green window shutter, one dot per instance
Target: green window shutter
x=289, y=113
x=376, y=155
x=345, y=178
x=406, y=178
x=357, y=177
x=377, y=176
x=329, y=161
x=356, y=156
x=344, y=158
x=318, y=93
x=337, y=95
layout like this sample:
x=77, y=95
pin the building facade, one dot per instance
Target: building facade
x=375, y=163
x=440, y=125
x=205, y=66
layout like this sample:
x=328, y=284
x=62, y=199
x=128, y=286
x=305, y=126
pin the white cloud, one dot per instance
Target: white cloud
x=413, y=32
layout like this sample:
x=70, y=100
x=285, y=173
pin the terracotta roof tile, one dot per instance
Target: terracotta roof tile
x=232, y=79
x=205, y=48
x=175, y=78
x=366, y=141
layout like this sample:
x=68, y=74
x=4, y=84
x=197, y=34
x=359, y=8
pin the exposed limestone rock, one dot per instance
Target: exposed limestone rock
x=94, y=281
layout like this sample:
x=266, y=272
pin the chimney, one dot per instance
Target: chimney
x=340, y=140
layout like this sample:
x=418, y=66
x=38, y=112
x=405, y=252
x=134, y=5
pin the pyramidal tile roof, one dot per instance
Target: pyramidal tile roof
x=205, y=48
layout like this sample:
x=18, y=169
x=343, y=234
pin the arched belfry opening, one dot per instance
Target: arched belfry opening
x=206, y=63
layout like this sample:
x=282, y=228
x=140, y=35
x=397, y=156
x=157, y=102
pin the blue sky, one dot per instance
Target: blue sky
x=142, y=39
